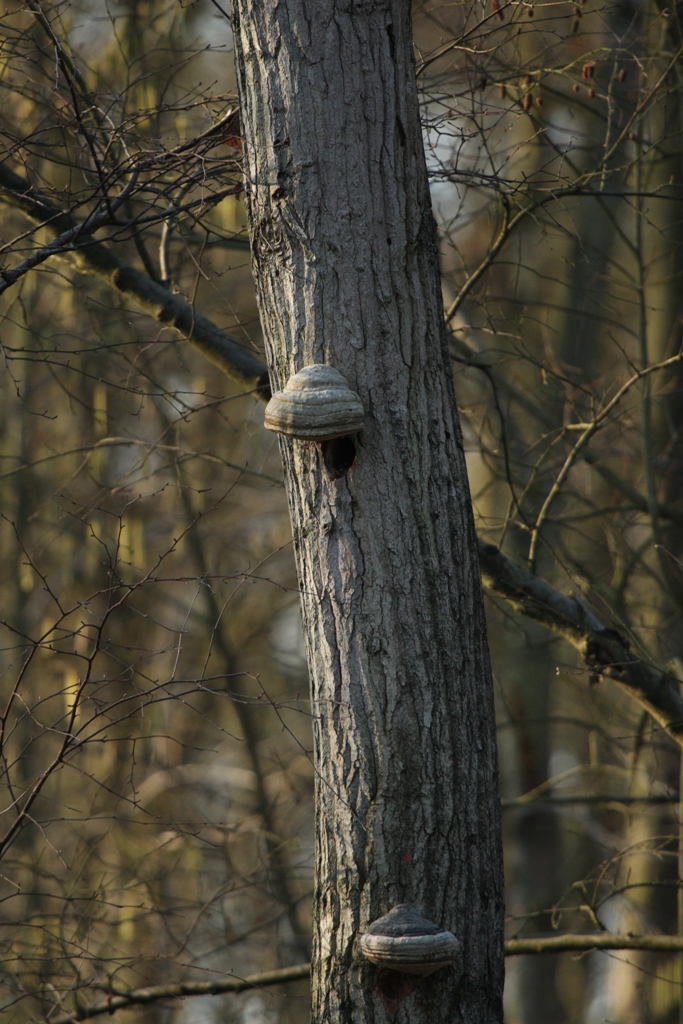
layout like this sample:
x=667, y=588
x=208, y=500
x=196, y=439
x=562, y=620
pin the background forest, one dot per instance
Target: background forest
x=156, y=822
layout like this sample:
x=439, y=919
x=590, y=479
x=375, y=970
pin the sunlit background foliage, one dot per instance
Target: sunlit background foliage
x=157, y=784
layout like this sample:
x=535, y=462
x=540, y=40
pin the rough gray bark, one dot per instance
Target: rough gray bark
x=345, y=262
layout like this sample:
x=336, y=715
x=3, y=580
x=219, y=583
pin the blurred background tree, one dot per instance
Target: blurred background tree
x=155, y=724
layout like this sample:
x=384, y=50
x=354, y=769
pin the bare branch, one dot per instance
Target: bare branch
x=603, y=649
x=89, y=256
x=570, y=943
x=155, y=993
x=503, y=235
x=567, y=943
x=588, y=430
x=499, y=381
x=68, y=240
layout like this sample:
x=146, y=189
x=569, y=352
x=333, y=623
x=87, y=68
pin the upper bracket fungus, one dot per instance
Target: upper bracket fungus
x=316, y=404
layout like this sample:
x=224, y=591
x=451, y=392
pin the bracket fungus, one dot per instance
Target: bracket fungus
x=316, y=404
x=405, y=941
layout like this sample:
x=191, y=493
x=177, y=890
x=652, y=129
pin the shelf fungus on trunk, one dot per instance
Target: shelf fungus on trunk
x=317, y=404
x=405, y=941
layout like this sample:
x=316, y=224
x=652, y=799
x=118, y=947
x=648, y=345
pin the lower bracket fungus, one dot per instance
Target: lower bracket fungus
x=405, y=941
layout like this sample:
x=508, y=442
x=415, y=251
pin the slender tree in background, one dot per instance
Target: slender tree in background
x=345, y=263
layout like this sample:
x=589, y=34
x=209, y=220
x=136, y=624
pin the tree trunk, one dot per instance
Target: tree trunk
x=345, y=261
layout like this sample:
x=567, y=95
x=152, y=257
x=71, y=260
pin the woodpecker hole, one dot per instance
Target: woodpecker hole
x=339, y=454
x=394, y=987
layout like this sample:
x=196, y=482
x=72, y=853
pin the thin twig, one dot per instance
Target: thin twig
x=503, y=235
x=588, y=430
x=168, y=309
x=156, y=993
